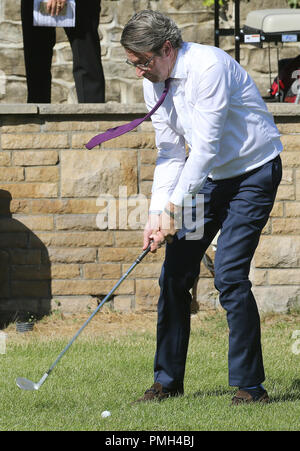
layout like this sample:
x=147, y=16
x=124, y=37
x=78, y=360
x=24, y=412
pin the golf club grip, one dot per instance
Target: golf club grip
x=144, y=253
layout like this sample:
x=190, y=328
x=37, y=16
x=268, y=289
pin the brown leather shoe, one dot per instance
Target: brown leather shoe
x=156, y=393
x=243, y=396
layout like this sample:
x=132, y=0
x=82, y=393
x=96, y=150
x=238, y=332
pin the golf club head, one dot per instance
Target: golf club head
x=26, y=384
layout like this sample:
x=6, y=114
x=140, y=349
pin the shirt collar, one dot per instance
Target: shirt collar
x=179, y=69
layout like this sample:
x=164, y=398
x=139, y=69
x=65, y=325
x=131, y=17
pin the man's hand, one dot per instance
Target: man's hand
x=152, y=226
x=54, y=7
x=161, y=228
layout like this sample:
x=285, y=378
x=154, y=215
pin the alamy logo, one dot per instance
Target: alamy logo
x=131, y=213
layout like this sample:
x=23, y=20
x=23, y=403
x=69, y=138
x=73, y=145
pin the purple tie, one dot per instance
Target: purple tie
x=117, y=131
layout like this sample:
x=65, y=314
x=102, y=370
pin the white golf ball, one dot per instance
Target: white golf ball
x=105, y=414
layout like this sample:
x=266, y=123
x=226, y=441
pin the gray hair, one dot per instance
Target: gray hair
x=148, y=30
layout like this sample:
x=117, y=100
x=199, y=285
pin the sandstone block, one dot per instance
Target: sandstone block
x=286, y=226
x=11, y=174
x=64, y=206
x=101, y=271
x=30, y=272
x=42, y=174
x=16, y=125
x=297, y=184
x=146, y=126
x=145, y=270
x=118, y=254
x=207, y=293
x=73, y=304
x=146, y=172
x=79, y=140
x=96, y=173
x=30, y=190
x=277, y=210
x=35, y=289
x=148, y=156
x=145, y=188
x=271, y=299
x=283, y=276
x=36, y=222
x=292, y=209
x=147, y=292
x=128, y=255
x=128, y=239
x=4, y=273
x=4, y=288
x=291, y=142
x=288, y=128
x=131, y=141
x=20, y=206
x=9, y=224
x=287, y=176
x=290, y=159
x=80, y=126
x=76, y=222
x=258, y=276
x=34, y=141
x=73, y=239
x=77, y=206
x=123, y=303
x=278, y=252
x=69, y=255
x=13, y=240
x=35, y=158
x=26, y=256
x=5, y=158
x=286, y=192
x=61, y=271
x=91, y=287
x=48, y=206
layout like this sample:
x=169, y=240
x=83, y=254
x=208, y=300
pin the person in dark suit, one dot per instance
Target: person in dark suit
x=85, y=44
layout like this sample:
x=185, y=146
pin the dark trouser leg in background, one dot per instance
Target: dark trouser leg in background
x=85, y=43
x=38, y=51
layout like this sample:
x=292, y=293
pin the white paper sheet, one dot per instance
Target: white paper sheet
x=46, y=20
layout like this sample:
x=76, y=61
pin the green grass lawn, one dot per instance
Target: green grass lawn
x=109, y=371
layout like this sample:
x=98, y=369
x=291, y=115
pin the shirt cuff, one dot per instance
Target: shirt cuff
x=155, y=212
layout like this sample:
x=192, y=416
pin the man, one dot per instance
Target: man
x=215, y=109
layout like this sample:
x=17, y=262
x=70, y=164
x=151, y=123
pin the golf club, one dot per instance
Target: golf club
x=26, y=384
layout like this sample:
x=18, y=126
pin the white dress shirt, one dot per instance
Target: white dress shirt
x=214, y=110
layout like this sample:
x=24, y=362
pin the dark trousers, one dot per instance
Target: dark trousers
x=85, y=44
x=240, y=208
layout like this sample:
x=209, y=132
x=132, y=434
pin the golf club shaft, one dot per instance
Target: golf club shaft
x=107, y=297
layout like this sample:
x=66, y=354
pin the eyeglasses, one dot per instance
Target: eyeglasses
x=144, y=66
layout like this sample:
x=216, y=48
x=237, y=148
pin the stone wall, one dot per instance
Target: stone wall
x=195, y=21
x=276, y=266
x=57, y=248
